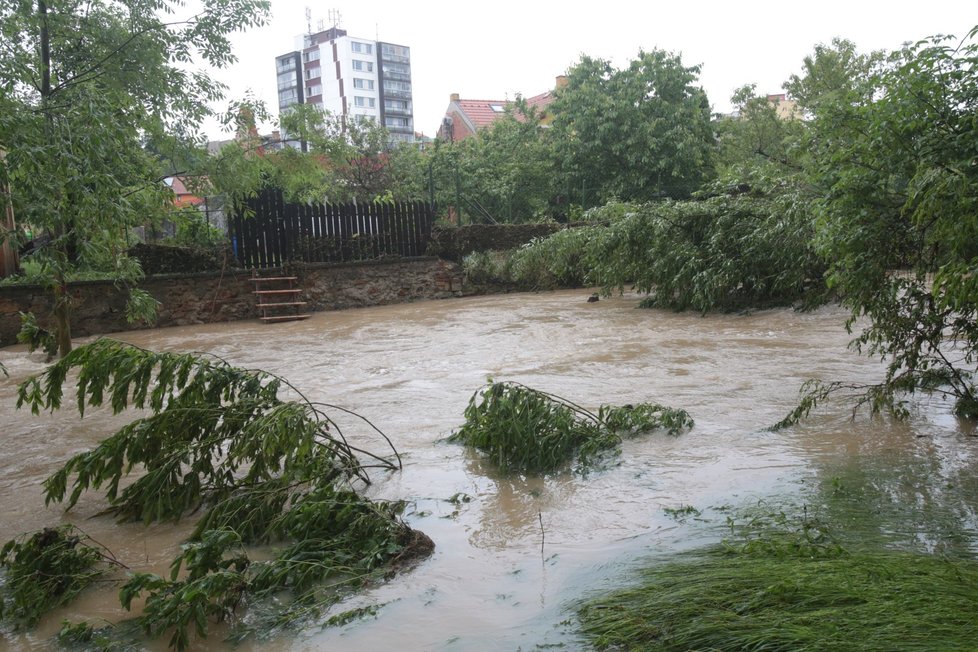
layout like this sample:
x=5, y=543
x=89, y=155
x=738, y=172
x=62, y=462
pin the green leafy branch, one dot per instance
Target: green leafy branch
x=263, y=470
x=527, y=430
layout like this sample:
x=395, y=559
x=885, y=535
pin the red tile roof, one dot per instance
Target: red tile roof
x=541, y=101
x=480, y=112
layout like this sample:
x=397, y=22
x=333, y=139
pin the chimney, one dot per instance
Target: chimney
x=454, y=97
x=561, y=82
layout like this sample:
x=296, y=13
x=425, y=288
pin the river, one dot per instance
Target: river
x=511, y=563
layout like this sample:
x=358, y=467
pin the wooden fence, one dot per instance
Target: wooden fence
x=271, y=232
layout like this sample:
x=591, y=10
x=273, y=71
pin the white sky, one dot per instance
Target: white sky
x=496, y=49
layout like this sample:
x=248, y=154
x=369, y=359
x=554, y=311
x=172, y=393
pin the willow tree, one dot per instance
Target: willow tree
x=85, y=86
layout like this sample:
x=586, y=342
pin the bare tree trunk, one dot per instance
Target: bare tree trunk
x=62, y=299
x=8, y=254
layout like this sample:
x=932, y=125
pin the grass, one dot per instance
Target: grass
x=791, y=589
x=525, y=430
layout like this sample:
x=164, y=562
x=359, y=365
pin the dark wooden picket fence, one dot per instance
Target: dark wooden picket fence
x=271, y=231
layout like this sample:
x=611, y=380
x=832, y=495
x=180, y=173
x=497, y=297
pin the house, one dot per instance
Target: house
x=463, y=118
x=785, y=108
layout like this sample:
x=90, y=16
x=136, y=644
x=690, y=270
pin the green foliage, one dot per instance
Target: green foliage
x=559, y=260
x=893, y=150
x=721, y=253
x=638, y=133
x=262, y=471
x=505, y=173
x=45, y=570
x=759, y=143
x=35, y=337
x=193, y=230
x=487, y=267
x=141, y=307
x=788, y=586
x=91, y=90
x=213, y=431
x=336, y=158
x=524, y=430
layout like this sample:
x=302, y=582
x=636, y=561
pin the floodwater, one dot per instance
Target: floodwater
x=511, y=563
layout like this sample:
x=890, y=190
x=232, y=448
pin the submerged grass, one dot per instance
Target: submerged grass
x=791, y=589
x=522, y=429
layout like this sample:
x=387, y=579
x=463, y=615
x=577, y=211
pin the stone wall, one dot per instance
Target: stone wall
x=454, y=243
x=218, y=297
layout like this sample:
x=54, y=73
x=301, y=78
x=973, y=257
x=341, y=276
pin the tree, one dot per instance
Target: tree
x=505, y=172
x=86, y=84
x=639, y=133
x=341, y=159
x=758, y=142
x=217, y=444
x=894, y=153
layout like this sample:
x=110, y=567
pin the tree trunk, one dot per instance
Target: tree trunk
x=8, y=252
x=62, y=317
x=62, y=299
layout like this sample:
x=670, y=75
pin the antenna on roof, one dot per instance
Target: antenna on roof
x=309, y=20
x=335, y=18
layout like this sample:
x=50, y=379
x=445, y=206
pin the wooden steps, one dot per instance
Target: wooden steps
x=272, y=299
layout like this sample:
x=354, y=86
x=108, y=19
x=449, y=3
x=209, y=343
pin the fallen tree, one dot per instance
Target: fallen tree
x=218, y=444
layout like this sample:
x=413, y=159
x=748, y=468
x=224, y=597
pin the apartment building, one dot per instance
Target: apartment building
x=351, y=77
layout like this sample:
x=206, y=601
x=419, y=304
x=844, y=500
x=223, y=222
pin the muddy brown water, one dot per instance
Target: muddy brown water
x=512, y=562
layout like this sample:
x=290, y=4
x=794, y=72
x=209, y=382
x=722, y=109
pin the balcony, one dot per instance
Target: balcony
x=397, y=76
x=403, y=95
x=393, y=58
x=407, y=113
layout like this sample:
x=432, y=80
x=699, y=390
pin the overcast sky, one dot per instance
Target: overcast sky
x=497, y=49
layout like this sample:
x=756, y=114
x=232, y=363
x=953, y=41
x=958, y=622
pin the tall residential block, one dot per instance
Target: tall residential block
x=350, y=77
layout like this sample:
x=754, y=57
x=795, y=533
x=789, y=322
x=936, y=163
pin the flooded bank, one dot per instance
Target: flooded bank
x=514, y=554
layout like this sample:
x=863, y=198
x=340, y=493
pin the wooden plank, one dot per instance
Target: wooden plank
x=374, y=211
x=290, y=235
x=286, y=317
x=265, y=279
x=305, y=230
x=345, y=222
x=329, y=236
x=428, y=221
x=261, y=217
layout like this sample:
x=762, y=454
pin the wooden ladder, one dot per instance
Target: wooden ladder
x=274, y=299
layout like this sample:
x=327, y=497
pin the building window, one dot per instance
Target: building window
x=396, y=122
x=314, y=90
x=364, y=102
x=400, y=51
x=396, y=105
x=288, y=97
x=366, y=84
x=404, y=87
x=363, y=66
x=362, y=48
x=285, y=65
x=397, y=68
x=498, y=108
x=311, y=56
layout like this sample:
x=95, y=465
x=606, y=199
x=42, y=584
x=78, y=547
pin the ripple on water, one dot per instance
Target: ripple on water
x=512, y=559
